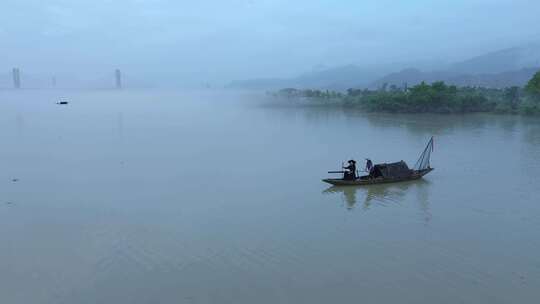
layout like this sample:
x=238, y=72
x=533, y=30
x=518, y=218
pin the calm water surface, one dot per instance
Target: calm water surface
x=174, y=197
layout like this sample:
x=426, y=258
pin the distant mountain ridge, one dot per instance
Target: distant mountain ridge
x=501, y=61
x=496, y=80
x=341, y=77
x=502, y=68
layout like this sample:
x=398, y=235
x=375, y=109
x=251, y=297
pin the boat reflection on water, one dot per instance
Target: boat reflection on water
x=385, y=195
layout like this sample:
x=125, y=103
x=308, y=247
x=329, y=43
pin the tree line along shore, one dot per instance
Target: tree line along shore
x=437, y=97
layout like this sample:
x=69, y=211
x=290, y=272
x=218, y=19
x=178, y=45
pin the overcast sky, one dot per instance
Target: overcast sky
x=217, y=41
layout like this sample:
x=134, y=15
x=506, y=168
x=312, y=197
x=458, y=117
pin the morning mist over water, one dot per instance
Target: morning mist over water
x=183, y=43
x=174, y=152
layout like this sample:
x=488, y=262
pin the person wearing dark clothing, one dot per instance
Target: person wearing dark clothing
x=369, y=165
x=350, y=174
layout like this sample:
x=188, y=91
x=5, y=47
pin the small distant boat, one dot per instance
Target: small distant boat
x=62, y=102
x=389, y=173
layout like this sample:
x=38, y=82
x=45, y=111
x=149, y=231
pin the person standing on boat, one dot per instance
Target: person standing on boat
x=350, y=174
x=369, y=165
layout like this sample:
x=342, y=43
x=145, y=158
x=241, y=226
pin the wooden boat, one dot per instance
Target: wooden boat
x=365, y=180
x=389, y=173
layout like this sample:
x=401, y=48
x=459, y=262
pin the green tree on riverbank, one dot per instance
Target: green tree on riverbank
x=437, y=97
x=531, y=104
x=533, y=86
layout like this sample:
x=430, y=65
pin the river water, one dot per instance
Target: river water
x=175, y=197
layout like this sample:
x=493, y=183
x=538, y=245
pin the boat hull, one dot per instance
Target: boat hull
x=364, y=182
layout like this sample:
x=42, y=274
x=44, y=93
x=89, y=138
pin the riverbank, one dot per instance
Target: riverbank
x=437, y=97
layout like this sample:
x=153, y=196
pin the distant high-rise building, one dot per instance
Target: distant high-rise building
x=16, y=78
x=118, y=75
x=53, y=81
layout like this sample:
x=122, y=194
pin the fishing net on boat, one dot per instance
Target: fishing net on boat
x=423, y=161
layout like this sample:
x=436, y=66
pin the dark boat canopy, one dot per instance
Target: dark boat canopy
x=393, y=170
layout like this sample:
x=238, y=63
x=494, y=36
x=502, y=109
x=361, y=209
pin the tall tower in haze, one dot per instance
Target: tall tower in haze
x=118, y=78
x=16, y=78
